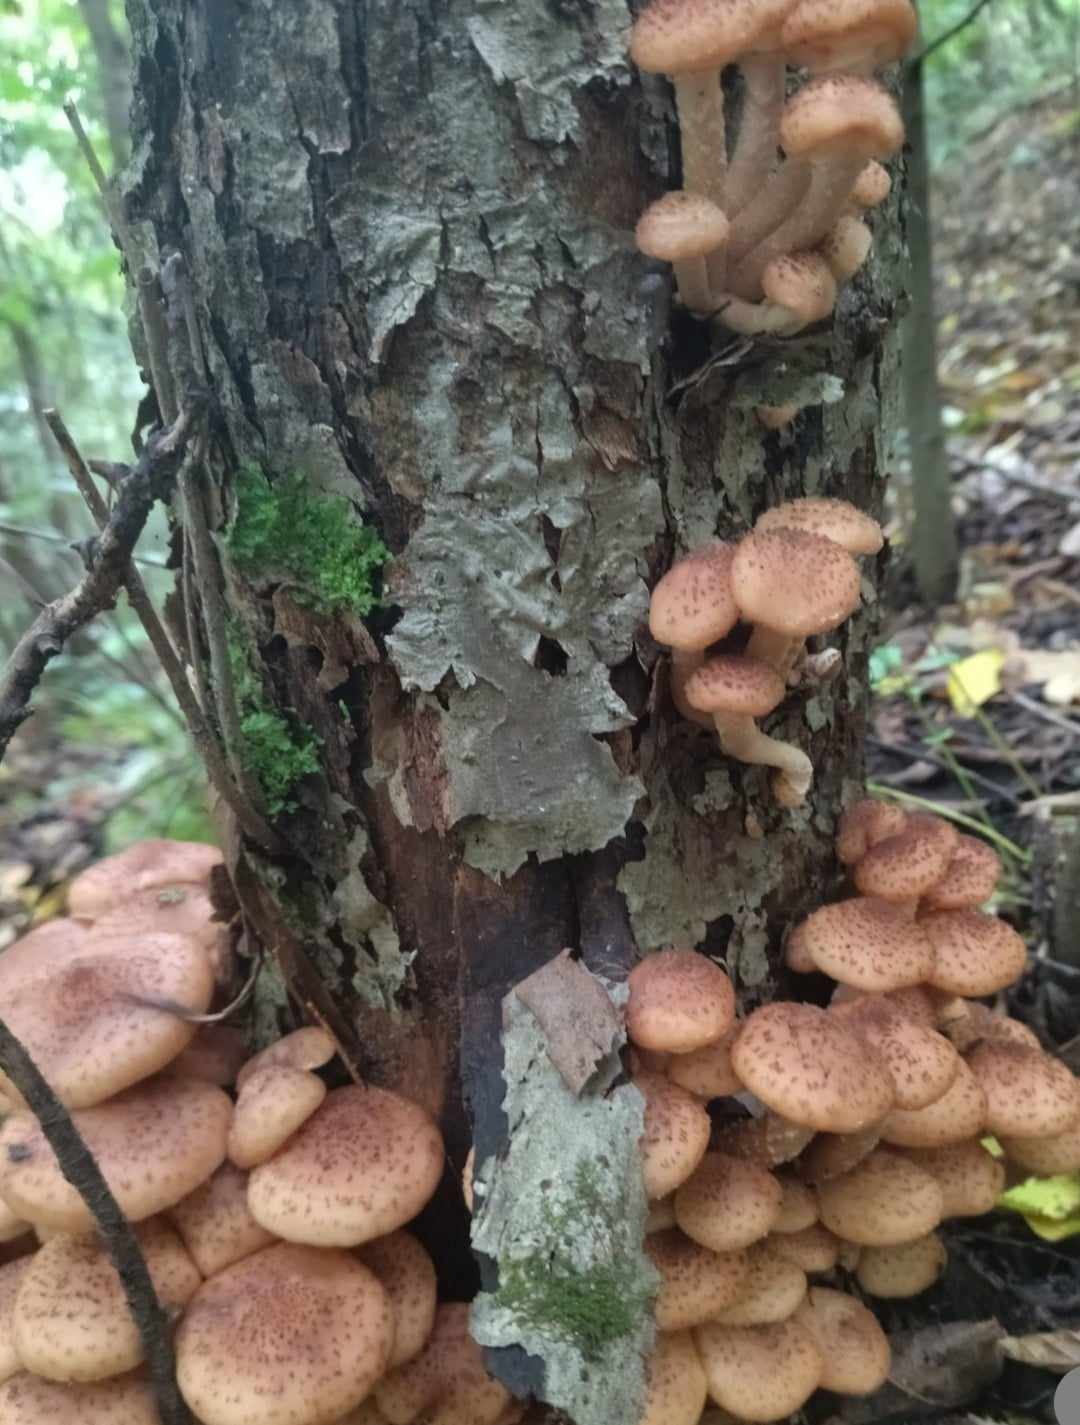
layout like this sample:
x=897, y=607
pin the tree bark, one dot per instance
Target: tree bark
x=408, y=227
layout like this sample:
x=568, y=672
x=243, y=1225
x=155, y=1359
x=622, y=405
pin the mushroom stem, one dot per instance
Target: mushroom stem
x=742, y=739
x=700, y=103
x=692, y=280
x=685, y=661
x=756, y=145
x=755, y=318
x=779, y=650
x=777, y=200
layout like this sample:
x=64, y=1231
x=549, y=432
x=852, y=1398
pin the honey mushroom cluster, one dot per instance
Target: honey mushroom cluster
x=759, y=240
x=793, y=576
x=269, y=1211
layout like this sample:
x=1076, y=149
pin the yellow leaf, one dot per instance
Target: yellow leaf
x=974, y=680
x=1051, y=1231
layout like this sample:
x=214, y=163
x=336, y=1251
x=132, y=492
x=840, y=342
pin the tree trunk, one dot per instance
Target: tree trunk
x=408, y=229
x=114, y=79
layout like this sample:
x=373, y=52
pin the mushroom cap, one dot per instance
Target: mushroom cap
x=904, y=867
x=802, y=283
x=902, y=1270
x=798, y=1206
x=831, y=1155
x=679, y=1001
x=773, y=1288
x=794, y=581
x=848, y=34
x=661, y=1214
x=970, y=1178
x=853, y=1346
x=693, y=36
x=681, y=225
x=921, y=1062
x=141, y=867
x=769, y=1140
x=707, y=1072
x=154, y=1144
x=806, y=1066
x=364, y=1163
x=1028, y=1093
x=271, y=1106
x=864, y=824
x=1046, y=1157
x=841, y=114
x=865, y=942
x=216, y=1223
x=71, y=1319
x=694, y=1283
x=81, y=1024
x=846, y=246
x=693, y=605
x=293, y=1335
x=885, y=1200
x=776, y=417
x=728, y=1203
x=759, y=1372
x=43, y=949
x=959, y=1113
x=966, y=1022
x=733, y=683
x=675, y=1388
x=812, y=1249
x=872, y=186
x=11, y=1275
x=214, y=1055
x=969, y=879
x=675, y=1137
x=308, y=1048
x=407, y=1275
x=180, y=909
x=838, y=520
x=975, y=953
x=27, y=1399
x=448, y=1374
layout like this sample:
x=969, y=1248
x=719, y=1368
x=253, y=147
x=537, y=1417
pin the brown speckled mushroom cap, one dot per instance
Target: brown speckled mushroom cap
x=679, y=1001
x=364, y=1163
x=975, y=953
x=308, y=1048
x=966, y=1022
x=841, y=114
x=832, y=1154
x=71, y=1319
x=216, y=1223
x=1029, y=1094
x=903, y=1270
x=773, y=1288
x=837, y=520
x=407, y=1275
x=733, y=683
x=293, y=1335
x=271, y=1106
x=170, y=910
x=692, y=605
x=864, y=942
x=810, y=1069
x=854, y=35
x=728, y=1203
x=905, y=866
x=864, y=824
x=872, y=186
x=154, y=1143
x=675, y=1137
x=27, y=1399
x=675, y=1390
x=759, y=1372
x=1046, y=1157
x=694, y=1283
x=11, y=1275
x=83, y=1027
x=971, y=1179
x=886, y=1199
x=798, y=1206
x=214, y=1055
x=707, y=1072
x=768, y=1140
x=854, y=1348
x=142, y=867
x=681, y=225
x=959, y=1113
x=921, y=1062
x=794, y=581
x=969, y=879
x=801, y=282
x=812, y=1249
x=42, y=950
x=692, y=36
x=446, y=1380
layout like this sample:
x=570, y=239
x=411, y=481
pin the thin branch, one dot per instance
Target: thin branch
x=949, y=34
x=152, y=313
x=106, y=192
x=80, y=1169
x=21, y=532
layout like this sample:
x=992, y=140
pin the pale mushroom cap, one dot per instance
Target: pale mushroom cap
x=1046, y=1157
x=293, y=1335
x=141, y=867
x=693, y=605
x=921, y=1063
x=71, y=1319
x=11, y=1275
x=181, y=909
x=903, y=867
x=804, y=1065
x=794, y=581
x=41, y=950
x=448, y=1374
x=831, y=1155
x=216, y=1223
x=675, y=1382
x=769, y=1140
x=407, y=1275
x=694, y=1283
x=903, y=1270
x=154, y=1143
x=848, y=34
x=969, y=1021
x=214, y=1055
x=707, y=1072
x=692, y=36
x=865, y=942
x=872, y=186
x=679, y=1001
x=681, y=225
x=773, y=1288
x=675, y=1137
x=84, y=1030
x=728, y=1203
x=885, y=1200
x=854, y=1348
x=864, y=824
x=838, y=520
x=308, y=1048
x=733, y=683
x=959, y=1113
x=271, y=1106
x=776, y=417
x=841, y=113
x=971, y=1179
x=803, y=283
x=846, y=246
x=364, y=1163
x=798, y=1206
x=975, y=953
x=759, y=1373
x=812, y=1249
x=1028, y=1093
x=969, y=879
x=27, y=1399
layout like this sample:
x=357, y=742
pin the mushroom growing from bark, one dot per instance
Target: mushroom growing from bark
x=143, y=867
x=846, y=246
x=679, y=1001
x=799, y=290
x=683, y=228
x=856, y=36
x=760, y=1373
x=691, y=607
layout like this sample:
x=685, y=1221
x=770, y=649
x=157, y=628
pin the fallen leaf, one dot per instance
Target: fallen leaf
x=974, y=680
x=582, y=1026
x=1051, y=1350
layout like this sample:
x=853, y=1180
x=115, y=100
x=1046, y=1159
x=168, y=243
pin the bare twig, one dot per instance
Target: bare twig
x=21, y=532
x=152, y=313
x=950, y=33
x=922, y=754
x=82, y=1172
x=107, y=193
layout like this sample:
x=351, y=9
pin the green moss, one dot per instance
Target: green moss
x=277, y=750
x=285, y=530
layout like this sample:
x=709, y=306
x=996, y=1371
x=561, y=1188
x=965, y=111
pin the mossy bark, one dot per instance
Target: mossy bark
x=408, y=228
